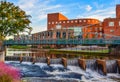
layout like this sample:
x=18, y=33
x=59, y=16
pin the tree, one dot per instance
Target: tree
x=13, y=20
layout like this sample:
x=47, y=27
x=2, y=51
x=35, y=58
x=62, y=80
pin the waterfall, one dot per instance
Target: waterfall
x=91, y=64
x=57, y=71
x=111, y=66
x=72, y=62
x=41, y=60
x=12, y=58
x=56, y=61
x=28, y=59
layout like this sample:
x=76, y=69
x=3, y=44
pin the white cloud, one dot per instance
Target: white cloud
x=99, y=14
x=38, y=9
x=88, y=8
x=39, y=28
x=42, y=16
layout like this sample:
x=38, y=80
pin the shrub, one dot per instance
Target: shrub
x=8, y=73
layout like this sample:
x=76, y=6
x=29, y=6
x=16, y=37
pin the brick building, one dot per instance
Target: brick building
x=111, y=26
x=93, y=31
x=59, y=27
x=59, y=21
x=55, y=19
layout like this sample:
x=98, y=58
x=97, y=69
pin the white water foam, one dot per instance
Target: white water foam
x=87, y=76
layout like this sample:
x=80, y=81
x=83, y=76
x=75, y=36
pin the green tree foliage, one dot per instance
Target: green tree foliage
x=13, y=20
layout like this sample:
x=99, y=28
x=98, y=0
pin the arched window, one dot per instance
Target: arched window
x=64, y=35
x=57, y=35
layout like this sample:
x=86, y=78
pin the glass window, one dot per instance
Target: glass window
x=60, y=22
x=51, y=34
x=88, y=20
x=67, y=21
x=111, y=23
x=71, y=21
x=84, y=20
x=76, y=21
x=100, y=33
x=111, y=30
x=58, y=35
x=69, y=35
x=80, y=21
x=58, y=26
x=64, y=35
x=119, y=23
x=52, y=22
x=96, y=34
x=100, y=28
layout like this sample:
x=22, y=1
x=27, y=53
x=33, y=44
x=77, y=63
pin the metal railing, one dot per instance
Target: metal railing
x=63, y=41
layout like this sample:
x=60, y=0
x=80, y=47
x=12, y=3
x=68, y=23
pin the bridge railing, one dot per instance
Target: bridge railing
x=63, y=41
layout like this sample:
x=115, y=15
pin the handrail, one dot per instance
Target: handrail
x=63, y=41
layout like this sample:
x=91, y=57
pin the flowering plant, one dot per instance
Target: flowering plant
x=9, y=73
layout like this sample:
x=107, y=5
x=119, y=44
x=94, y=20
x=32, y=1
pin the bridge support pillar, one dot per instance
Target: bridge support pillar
x=82, y=63
x=102, y=66
x=118, y=63
x=21, y=58
x=33, y=59
x=48, y=60
x=64, y=62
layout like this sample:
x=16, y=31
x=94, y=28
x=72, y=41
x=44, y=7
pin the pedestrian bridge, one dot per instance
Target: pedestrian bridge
x=63, y=42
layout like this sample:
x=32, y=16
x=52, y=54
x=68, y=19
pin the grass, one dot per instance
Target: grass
x=79, y=52
x=19, y=47
x=85, y=53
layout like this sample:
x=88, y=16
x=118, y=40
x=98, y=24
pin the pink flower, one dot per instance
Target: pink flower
x=9, y=71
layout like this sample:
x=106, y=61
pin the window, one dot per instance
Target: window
x=49, y=23
x=80, y=21
x=63, y=21
x=88, y=20
x=84, y=20
x=67, y=21
x=111, y=30
x=51, y=34
x=76, y=21
x=100, y=33
x=60, y=22
x=56, y=22
x=96, y=34
x=100, y=28
x=52, y=22
x=96, y=29
x=58, y=26
x=71, y=21
x=111, y=23
x=119, y=23
x=57, y=35
x=64, y=35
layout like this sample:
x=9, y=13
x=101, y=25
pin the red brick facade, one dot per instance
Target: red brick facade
x=111, y=26
x=93, y=31
x=91, y=28
x=117, y=11
x=55, y=19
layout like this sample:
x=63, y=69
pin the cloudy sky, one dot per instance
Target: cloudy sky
x=72, y=9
